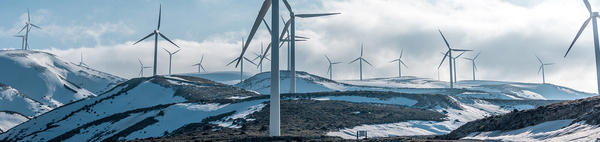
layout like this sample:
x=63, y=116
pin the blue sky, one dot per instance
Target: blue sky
x=508, y=33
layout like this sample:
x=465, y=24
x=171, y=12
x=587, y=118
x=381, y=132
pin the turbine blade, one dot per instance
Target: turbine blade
x=459, y=55
x=464, y=50
x=587, y=5
x=467, y=58
x=367, y=62
x=540, y=69
x=315, y=15
x=23, y=28
x=538, y=58
x=35, y=26
x=140, y=62
x=475, y=66
x=165, y=37
x=336, y=63
x=578, y=34
x=394, y=60
x=234, y=60
x=401, y=51
x=287, y=5
x=261, y=15
x=301, y=37
x=328, y=60
x=403, y=63
x=250, y=61
x=445, y=55
x=166, y=51
x=144, y=38
x=549, y=64
x=202, y=67
x=201, y=59
x=354, y=60
x=159, y=15
x=266, y=24
x=446, y=41
x=176, y=51
x=476, y=56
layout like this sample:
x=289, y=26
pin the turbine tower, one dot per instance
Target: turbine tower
x=542, y=65
x=449, y=55
x=199, y=64
x=360, y=62
x=28, y=26
x=171, y=57
x=157, y=33
x=242, y=63
x=142, y=67
x=400, y=63
x=593, y=17
x=473, y=63
x=22, y=41
x=454, y=62
x=330, y=69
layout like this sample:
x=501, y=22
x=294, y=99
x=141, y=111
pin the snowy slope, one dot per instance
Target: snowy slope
x=14, y=101
x=10, y=119
x=49, y=80
x=225, y=77
x=306, y=82
x=565, y=121
x=138, y=108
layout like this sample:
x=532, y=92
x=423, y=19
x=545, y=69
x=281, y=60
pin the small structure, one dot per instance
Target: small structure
x=361, y=133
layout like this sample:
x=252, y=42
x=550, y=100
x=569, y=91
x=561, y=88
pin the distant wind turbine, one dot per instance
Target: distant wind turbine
x=360, y=62
x=171, y=57
x=449, y=55
x=156, y=33
x=199, y=64
x=142, y=67
x=81, y=63
x=473, y=63
x=330, y=69
x=28, y=26
x=241, y=60
x=593, y=17
x=259, y=55
x=400, y=63
x=542, y=65
x=22, y=41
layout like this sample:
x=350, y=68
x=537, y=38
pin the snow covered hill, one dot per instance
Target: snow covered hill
x=138, y=108
x=12, y=100
x=306, y=82
x=566, y=121
x=47, y=79
x=9, y=119
x=225, y=77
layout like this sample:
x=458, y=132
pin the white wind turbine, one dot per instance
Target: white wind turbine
x=400, y=63
x=156, y=33
x=81, y=63
x=142, y=67
x=28, y=26
x=593, y=17
x=171, y=57
x=473, y=63
x=199, y=64
x=360, y=62
x=449, y=55
x=258, y=56
x=542, y=69
x=330, y=69
x=241, y=59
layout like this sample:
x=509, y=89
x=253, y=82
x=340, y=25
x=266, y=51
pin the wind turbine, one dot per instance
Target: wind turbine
x=259, y=55
x=171, y=57
x=400, y=63
x=200, y=65
x=22, y=41
x=449, y=55
x=293, y=38
x=81, y=63
x=274, y=110
x=142, y=67
x=454, y=62
x=593, y=16
x=542, y=65
x=473, y=63
x=361, y=60
x=330, y=69
x=156, y=33
x=28, y=28
x=242, y=63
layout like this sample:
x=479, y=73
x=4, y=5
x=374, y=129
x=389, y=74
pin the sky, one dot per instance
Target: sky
x=508, y=34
